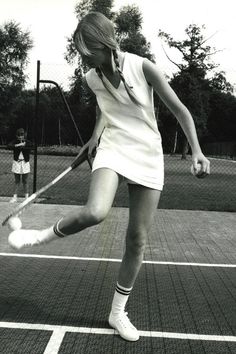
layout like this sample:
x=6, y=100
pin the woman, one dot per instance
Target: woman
x=129, y=149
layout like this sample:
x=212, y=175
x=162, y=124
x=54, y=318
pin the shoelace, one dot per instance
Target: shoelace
x=124, y=320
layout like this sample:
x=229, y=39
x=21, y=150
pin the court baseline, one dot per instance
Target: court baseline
x=27, y=255
x=58, y=332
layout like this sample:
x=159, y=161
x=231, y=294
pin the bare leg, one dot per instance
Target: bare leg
x=102, y=191
x=143, y=204
x=17, y=183
x=16, y=187
x=25, y=183
x=101, y=195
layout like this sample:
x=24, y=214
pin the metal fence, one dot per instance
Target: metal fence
x=181, y=191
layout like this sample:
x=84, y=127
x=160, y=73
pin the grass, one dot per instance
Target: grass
x=181, y=190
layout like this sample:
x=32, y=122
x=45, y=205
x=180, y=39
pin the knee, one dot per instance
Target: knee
x=136, y=242
x=96, y=214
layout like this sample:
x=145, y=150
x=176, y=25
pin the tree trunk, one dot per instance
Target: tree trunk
x=185, y=149
x=175, y=140
x=42, y=132
x=59, y=131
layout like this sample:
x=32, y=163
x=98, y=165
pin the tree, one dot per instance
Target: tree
x=14, y=48
x=195, y=96
x=128, y=32
x=25, y=111
x=222, y=123
x=191, y=81
x=196, y=55
x=103, y=6
x=219, y=82
x=55, y=125
x=81, y=9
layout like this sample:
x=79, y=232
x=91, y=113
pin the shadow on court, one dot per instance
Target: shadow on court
x=56, y=298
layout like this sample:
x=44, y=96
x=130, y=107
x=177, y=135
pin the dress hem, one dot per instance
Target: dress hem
x=157, y=186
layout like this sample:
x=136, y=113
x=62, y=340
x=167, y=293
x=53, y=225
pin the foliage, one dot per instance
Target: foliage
x=136, y=43
x=81, y=9
x=25, y=111
x=206, y=93
x=219, y=82
x=222, y=116
x=14, y=48
x=194, y=81
x=103, y=6
x=196, y=54
x=128, y=32
x=128, y=20
x=55, y=125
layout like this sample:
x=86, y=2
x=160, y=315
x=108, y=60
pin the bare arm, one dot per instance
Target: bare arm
x=99, y=124
x=154, y=77
x=97, y=132
x=90, y=99
x=92, y=143
x=13, y=144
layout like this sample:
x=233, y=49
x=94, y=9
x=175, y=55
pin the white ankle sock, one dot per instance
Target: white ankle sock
x=56, y=229
x=51, y=233
x=120, y=299
x=47, y=234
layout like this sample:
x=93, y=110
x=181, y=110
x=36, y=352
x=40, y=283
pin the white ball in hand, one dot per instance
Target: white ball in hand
x=14, y=223
x=197, y=172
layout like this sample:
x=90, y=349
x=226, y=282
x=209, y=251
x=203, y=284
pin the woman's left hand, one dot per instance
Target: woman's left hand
x=201, y=165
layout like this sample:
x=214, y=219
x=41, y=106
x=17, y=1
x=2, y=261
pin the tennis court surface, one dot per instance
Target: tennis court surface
x=56, y=298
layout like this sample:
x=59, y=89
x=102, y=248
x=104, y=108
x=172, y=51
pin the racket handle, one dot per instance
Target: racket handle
x=80, y=158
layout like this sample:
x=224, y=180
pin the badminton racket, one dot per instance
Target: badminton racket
x=80, y=158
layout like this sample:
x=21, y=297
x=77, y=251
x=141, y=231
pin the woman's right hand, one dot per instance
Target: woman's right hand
x=91, y=145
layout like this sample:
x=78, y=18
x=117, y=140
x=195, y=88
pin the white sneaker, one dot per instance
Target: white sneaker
x=24, y=238
x=13, y=199
x=123, y=326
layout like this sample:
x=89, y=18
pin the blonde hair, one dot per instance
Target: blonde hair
x=96, y=30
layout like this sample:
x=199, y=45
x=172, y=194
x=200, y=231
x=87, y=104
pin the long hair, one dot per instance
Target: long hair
x=96, y=30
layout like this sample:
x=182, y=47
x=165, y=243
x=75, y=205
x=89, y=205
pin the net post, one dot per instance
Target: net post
x=36, y=126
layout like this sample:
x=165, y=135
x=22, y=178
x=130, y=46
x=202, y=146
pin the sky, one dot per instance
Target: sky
x=51, y=22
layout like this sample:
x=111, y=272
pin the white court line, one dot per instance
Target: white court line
x=55, y=341
x=61, y=330
x=25, y=255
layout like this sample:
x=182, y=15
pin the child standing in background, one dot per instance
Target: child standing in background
x=21, y=165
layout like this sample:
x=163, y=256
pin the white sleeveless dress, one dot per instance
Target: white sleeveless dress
x=131, y=142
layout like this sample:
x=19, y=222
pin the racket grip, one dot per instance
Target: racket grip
x=80, y=158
